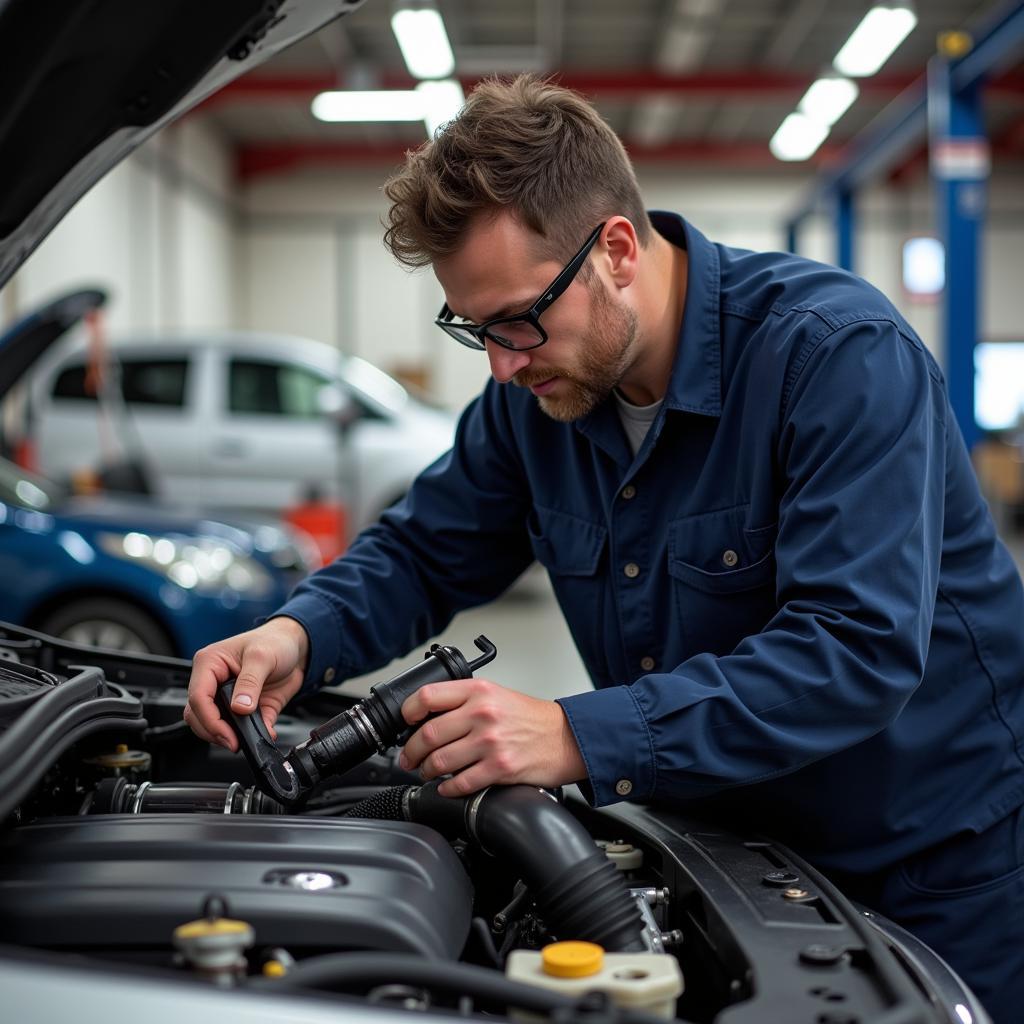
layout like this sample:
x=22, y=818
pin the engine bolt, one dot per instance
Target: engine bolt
x=779, y=879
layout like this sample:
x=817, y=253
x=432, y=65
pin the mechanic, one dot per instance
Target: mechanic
x=743, y=476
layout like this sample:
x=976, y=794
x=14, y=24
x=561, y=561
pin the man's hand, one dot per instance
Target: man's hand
x=268, y=664
x=485, y=734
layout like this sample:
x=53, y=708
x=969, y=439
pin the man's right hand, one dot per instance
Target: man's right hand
x=268, y=665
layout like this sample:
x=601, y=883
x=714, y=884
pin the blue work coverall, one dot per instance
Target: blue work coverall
x=792, y=601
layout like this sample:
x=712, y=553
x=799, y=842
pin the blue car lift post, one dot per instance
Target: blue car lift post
x=947, y=105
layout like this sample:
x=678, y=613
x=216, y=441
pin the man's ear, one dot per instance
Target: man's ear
x=621, y=250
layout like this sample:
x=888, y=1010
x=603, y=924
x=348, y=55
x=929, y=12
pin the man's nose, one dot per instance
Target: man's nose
x=506, y=362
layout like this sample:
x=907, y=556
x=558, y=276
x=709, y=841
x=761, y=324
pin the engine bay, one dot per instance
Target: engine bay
x=128, y=845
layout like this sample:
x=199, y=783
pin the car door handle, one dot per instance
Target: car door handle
x=230, y=448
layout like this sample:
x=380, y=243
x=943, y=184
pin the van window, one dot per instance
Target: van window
x=273, y=389
x=143, y=382
x=154, y=381
x=71, y=383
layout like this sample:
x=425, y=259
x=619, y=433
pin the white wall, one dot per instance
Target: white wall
x=314, y=261
x=158, y=233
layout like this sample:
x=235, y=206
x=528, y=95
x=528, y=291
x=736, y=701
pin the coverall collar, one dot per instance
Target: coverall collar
x=695, y=382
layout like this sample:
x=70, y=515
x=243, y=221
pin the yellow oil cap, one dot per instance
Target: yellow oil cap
x=204, y=928
x=274, y=969
x=572, y=959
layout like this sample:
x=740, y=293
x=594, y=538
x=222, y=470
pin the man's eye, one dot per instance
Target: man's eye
x=517, y=332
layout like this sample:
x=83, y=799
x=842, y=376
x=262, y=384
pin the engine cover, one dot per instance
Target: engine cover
x=125, y=882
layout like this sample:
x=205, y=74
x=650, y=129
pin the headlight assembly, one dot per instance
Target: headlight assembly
x=198, y=564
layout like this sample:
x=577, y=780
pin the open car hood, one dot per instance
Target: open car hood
x=84, y=82
x=28, y=338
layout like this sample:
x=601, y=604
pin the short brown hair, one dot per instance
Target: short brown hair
x=527, y=146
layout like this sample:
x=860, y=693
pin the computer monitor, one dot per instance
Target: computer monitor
x=999, y=385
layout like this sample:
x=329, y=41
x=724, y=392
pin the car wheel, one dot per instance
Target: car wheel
x=110, y=623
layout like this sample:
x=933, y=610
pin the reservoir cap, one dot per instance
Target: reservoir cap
x=572, y=959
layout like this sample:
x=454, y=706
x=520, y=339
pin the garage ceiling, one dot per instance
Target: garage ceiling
x=688, y=81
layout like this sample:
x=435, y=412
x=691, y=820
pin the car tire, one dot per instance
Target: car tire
x=108, y=622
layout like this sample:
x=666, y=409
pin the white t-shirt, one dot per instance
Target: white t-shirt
x=636, y=419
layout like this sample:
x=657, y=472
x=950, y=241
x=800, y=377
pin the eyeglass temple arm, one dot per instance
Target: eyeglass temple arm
x=567, y=276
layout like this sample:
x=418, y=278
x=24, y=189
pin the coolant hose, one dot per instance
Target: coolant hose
x=580, y=891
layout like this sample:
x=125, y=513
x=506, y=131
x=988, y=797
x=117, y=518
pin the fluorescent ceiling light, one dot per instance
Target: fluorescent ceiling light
x=874, y=40
x=434, y=103
x=424, y=42
x=797, y=138
x=440, y=103
x=828, y=99
x=388, y=105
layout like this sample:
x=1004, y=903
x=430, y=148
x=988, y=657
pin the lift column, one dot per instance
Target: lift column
x=959, y=159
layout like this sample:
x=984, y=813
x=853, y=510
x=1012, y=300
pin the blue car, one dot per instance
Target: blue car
x=125, y=575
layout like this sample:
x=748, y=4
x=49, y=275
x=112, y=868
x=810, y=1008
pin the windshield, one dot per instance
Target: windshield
x=26, y=490
x=373, y=384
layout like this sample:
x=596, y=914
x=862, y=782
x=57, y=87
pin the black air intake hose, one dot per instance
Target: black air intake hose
x=581, y=893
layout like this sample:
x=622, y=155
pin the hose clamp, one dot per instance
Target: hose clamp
x=229, y=797
x=364, y=726
x=136, y=807
x=407, y=798
x=471, y=815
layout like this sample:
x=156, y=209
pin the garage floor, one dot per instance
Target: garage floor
x=535, y=652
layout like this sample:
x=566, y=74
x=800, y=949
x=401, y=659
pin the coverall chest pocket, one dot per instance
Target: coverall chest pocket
x=572, y=550
x=724, y=578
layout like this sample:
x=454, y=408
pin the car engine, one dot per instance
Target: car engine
x=131, y=850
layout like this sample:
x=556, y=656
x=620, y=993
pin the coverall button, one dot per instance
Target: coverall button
x=329, y=675
x=623, y=787
x=632, y=570
x=729, y=558
x=647, y=663
x=629, y=491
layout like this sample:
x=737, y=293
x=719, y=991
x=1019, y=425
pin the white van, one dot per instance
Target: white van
x=240, y=421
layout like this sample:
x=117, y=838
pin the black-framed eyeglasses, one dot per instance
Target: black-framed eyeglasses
x=520, y=331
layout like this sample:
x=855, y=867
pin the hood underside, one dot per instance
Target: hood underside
x=84, y=82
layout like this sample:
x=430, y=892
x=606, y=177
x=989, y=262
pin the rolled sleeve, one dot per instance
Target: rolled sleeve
x=613, y=737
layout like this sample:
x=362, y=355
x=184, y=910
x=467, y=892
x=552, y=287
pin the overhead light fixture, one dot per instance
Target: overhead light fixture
x=440, y=103
x=828, y=99
x=797, y=138
x=875, y=39
x=434, y=103
x=356, y=105
x=423, y=41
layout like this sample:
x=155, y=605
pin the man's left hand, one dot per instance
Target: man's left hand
x=485, y=734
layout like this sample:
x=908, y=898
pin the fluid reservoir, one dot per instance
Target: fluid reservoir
x=639, y=981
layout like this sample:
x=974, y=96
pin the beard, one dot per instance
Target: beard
x=606, y=351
